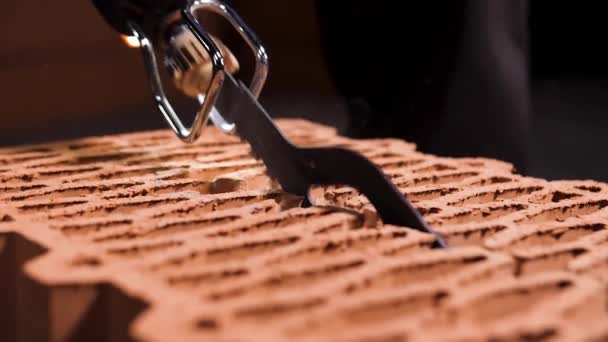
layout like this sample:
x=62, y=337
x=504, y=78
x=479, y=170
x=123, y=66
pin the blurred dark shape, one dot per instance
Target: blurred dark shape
x=449, y=76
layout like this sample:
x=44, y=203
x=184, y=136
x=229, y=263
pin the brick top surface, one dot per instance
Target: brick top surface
x=142, y=236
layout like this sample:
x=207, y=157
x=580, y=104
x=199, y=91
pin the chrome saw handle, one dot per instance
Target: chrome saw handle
x=186, y=19
x=261, y=57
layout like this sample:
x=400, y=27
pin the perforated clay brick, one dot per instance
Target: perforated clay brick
x=139, y=236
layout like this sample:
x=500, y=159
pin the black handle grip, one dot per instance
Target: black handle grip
x=146, y=13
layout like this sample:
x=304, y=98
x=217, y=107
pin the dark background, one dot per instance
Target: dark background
x=64, y=73
x=569, y=93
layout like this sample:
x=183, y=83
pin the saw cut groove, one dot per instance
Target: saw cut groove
x=144, y=237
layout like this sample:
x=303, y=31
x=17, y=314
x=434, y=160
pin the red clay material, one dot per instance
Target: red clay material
x=139, y=236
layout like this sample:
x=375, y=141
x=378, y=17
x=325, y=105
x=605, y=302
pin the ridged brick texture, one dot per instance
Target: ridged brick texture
x=140, y=236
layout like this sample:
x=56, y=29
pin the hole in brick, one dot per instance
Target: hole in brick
x=289, y=280
x=51, y=163
x=207, y=324
x=198, y=186
x=45, y=174
x=171, y=187
x=429, y=194
x=63, y=172
x=86, y=261
x=269, y=223
x=72, y=191
x=325, y=250
x=130, y=207
x=312, y=275
x=50, y=205
x=428, y=211
x=371, y=312
x=474, y=163
x=450, y=177
x=86, y=145
x=168, y=157
x=407, y=248
x=200, y=154
x=105, y=157
x=556, y=235
x=89, y=228
x=130, y=172
x=477, y=215
x=29, y=157
x=475, y=236
x=222, y=202
x=374, y=154
x=513, y=301
x=271, y=310
x=592, y=188
x=393, y=308
x=547, y=334
x=415, y=273
x=535, y=333
x=348, y=223
x=563, y=212
x=193, y=280
x=247, y=249
x=26, y=177
x=497, y=195
x=396, y=162
x=29, y=150
x=492, y=180
x=139, y=250
x=170, y=228
x=213, y=170
x=330, y=229
x=555, y=260
x=434, y=168
x=559, y=196
x=150, y=139
x=222, y=254
x=187, y=223
x=6, y=218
